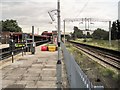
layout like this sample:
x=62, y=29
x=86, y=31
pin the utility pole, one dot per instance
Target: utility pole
x=110, y=33
x=85, y=28
x=59, y=71
x=64, y=30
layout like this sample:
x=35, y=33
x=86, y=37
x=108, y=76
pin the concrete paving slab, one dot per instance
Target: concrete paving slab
x=28, y=87
x=38, y=66
x=22, y=64
x=50, y=66
x=46, y=84
x=32, y=71
x=48, y=72
x=18, y=71
x=21, y=82
x=31, y=74
x=15, y=75
x=16, y=86
x=5, y=72
x=6, y=83
x=9, y=67
x=13, y=78
x=31, y=78
x=48, y=78
x=31, y=84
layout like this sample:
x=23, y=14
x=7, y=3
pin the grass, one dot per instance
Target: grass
x=90, y=66
x=100, y=43
x=107, y=73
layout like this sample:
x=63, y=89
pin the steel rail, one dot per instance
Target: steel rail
x=100, y=55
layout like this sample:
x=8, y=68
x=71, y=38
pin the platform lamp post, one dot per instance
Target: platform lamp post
x=59, y=71
x=58, y=65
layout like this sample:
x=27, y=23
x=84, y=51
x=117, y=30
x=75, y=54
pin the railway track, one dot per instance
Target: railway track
x=109, y=57
x=6, y=52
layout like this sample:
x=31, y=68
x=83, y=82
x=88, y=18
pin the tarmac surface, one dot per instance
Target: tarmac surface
x=33, y=71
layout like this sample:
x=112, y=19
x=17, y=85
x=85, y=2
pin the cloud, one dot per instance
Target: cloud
x=28, y=14
x=35, y=12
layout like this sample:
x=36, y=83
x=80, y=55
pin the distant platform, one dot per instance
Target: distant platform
x=4, y=46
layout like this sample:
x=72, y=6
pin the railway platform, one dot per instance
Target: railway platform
x=32, y=71
x=4, y=46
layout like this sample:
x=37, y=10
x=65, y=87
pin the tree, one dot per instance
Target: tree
x=100, y=34
x=118, y=29
x=77, y=33
x=88, y=35
x=114, y=31
x=11, y=25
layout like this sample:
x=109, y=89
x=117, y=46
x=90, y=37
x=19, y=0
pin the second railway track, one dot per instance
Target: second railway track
x=105, y=56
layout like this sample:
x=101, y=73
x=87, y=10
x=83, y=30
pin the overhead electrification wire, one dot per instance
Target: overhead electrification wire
x=85, y=5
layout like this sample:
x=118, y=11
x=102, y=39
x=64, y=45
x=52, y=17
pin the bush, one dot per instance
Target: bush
x=108, y=73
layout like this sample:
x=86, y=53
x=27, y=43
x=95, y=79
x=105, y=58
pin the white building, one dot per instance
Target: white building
x=119, y=10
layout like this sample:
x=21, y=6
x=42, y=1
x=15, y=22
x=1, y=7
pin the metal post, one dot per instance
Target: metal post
x=6, y=39
x=12, y=58
x=12, y=51
x=85, y=28
x=88, y=24
x=22, y=43
x=33, y=33
x=59, y=41
x=59, y=36
x=110, y=33
x=33, y=44
x=22, y=50
x=85, y=23
x=26, y=47
x=64, y=31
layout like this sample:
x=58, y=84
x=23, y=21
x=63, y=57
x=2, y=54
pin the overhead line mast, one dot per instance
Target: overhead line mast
x=88, y=19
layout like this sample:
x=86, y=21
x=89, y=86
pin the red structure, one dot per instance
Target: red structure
x=43, y=48
x=17, y=37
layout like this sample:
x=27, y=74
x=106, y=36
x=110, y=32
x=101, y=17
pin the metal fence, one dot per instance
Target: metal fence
x=76, y=77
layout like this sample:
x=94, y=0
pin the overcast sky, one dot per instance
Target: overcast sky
x=35, y=12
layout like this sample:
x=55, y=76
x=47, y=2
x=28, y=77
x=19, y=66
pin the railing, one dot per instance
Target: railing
x=6, y=52
x=76, y=77
x=41, y=42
